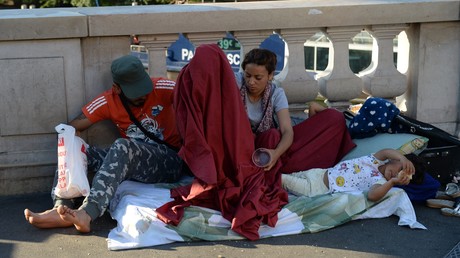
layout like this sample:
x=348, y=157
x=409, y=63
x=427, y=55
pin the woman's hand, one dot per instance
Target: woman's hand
x=273, y=160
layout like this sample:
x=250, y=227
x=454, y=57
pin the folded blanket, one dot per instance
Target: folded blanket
x=138, y=226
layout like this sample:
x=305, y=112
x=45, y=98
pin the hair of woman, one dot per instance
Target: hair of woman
x=260, y=56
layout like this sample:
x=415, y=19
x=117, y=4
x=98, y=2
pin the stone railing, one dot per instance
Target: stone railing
x=53, y=61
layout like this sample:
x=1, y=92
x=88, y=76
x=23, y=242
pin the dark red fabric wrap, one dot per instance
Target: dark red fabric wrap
x=320, y=141
x=218, y=145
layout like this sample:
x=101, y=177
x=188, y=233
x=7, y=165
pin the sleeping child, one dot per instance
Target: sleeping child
x=375, y=173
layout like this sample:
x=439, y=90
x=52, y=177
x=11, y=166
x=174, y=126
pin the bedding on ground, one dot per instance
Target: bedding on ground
x=134, y=204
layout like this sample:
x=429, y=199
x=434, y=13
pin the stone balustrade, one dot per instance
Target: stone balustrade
x=53, y=61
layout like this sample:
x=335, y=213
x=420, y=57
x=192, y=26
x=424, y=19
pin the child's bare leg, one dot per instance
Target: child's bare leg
x=79, y=218
x=46, y=219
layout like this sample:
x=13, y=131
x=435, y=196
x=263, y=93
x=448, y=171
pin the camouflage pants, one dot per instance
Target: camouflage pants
x=125, y=160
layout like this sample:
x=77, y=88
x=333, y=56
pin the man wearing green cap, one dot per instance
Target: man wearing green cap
x=135, y=156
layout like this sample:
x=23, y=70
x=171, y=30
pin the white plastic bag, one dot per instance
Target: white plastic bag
x=72, y=164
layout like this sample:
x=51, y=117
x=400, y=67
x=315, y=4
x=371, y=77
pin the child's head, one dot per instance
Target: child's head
x=420, y=168
x=392, y=168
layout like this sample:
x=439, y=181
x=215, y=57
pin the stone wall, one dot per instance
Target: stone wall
x=53, y=61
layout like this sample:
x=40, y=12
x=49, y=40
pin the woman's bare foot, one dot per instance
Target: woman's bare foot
x=46, y=219
x=79, y=218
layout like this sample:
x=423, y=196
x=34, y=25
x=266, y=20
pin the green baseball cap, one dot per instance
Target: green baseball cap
x=129, y=73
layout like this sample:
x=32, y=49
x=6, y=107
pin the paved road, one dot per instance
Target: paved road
x=363, y=238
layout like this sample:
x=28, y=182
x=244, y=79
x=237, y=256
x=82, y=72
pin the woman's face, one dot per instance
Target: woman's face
x=256, y=78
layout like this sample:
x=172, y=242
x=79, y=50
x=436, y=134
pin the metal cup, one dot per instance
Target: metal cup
x=261, y=157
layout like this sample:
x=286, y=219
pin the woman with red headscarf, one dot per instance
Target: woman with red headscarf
x=217, y=147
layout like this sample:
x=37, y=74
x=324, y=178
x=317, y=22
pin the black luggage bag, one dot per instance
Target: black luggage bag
x=443, y=151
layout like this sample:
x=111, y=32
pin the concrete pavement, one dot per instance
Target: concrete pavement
x=362, y=238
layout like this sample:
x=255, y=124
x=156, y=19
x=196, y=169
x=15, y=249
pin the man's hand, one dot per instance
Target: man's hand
x=80, y=123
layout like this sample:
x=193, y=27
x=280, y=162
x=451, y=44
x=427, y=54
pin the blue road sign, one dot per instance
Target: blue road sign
x=182, y=51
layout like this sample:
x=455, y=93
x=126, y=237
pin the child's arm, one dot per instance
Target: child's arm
x=378, y=191
x=392, y=154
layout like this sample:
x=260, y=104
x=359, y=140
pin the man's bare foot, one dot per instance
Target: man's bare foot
x=46, y=219
x=79, y=218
